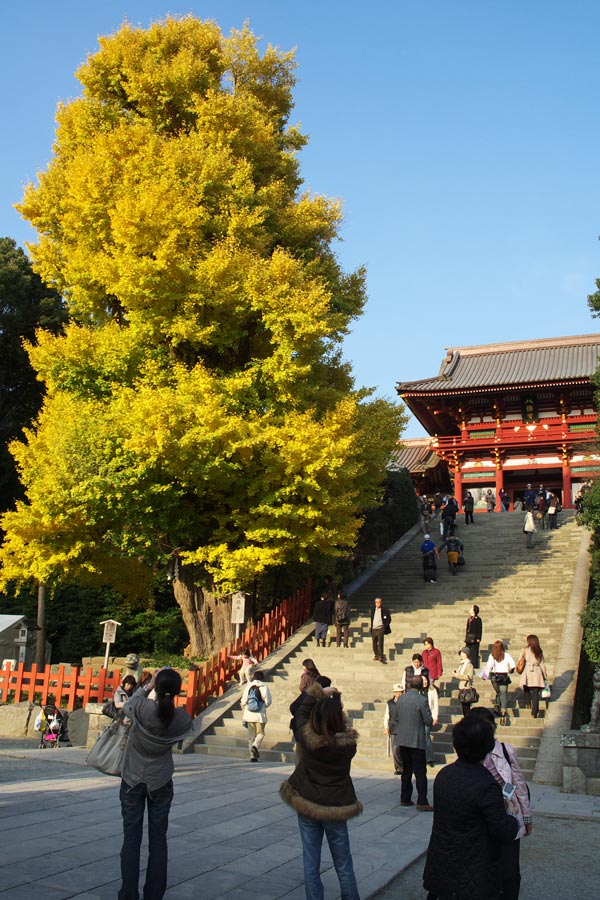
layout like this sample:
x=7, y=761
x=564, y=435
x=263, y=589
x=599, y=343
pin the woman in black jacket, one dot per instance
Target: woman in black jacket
x=473, y=634
x=320, y=789
x=470, y=823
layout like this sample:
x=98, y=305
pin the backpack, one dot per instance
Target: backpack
x=255, y=701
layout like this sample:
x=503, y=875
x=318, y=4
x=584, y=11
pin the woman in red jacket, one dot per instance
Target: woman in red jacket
x=432, y=660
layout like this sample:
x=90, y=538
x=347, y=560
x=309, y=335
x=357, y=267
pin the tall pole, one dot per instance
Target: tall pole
x=40, y=647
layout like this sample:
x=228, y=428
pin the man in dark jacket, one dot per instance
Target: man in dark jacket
x=470, y=823
x=454, y=548
x=341, y=614
x=469, y=506
x=322, y=614
x=415, y=668
x=413, y=715
x=380, y=626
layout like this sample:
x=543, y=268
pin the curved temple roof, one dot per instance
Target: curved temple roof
x=517, y=363
x=415, y=455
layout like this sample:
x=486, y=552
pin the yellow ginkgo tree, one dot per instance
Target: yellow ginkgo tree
x=198, y=415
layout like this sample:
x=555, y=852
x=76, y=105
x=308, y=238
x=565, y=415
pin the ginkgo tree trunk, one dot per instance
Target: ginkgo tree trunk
x=197, y=406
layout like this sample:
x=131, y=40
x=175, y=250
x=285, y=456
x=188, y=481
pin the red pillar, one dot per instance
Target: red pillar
x=458, y=486
x=566, y=477
x=499, y=486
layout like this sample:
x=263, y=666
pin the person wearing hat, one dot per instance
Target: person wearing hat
x=390, y=726
x=464, y=675
x=430, y=555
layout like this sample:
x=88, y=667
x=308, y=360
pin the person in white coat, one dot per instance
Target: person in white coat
x=434, y=706
x=255, y=700
x=498, y=668
x=529, y=527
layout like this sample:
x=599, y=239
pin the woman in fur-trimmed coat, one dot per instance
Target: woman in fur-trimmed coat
x=320, y=789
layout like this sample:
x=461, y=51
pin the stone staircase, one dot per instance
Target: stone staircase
x=519, y=591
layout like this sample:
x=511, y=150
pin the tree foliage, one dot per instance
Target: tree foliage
x=591, y=616
x=198, y=411
x=74, y=613
x=394, y=515
x=26, y=305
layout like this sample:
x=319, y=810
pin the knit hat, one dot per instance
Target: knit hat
x=426, y=537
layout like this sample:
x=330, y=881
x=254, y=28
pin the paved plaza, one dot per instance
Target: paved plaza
x=229, y=834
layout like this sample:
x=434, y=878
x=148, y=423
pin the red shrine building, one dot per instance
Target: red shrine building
x=501, y=416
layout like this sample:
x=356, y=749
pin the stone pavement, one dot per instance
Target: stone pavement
x=229, y=835
x=558, y=862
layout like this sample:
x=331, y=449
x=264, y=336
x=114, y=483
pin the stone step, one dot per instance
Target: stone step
x=511, y=586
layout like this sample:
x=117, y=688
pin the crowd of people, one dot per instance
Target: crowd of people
x=483, y=793
x=484, y=789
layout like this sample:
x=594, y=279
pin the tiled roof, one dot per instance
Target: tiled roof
x=415, y=456
x=8, y=621
x=517, y=363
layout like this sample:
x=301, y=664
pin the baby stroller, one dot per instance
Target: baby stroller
x=53, y=727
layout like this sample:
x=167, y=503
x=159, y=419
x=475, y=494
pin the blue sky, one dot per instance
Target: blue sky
x=462, y=138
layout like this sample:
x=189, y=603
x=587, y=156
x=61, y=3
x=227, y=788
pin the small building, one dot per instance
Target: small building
x=501, y=416
x=429, y=473
x=18, y=639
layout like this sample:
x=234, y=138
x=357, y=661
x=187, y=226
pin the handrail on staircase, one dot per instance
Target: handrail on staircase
x=74, y=687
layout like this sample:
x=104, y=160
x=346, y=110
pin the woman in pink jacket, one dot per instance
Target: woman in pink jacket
x=532, y=667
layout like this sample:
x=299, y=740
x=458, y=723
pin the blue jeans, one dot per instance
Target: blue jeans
x=501, y=695
x=133, y=805
x=311, y=832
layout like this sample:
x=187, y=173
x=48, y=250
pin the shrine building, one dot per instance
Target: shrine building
x=502, y=416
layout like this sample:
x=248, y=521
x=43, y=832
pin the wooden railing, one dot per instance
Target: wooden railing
x=73, y=687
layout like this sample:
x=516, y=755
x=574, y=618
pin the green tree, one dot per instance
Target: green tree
x=198, y=414
x=26, y=304
x=394, y=515
x=591, y=616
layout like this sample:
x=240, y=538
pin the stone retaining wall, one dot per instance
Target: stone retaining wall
x=581, y=762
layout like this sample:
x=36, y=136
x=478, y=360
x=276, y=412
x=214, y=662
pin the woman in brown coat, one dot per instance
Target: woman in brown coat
x=320, y=789
x=533, y=671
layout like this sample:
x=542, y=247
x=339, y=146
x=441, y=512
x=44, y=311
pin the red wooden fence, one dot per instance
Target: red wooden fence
x=73, y=687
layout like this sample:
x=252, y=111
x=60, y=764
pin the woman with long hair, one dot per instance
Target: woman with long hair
x=320, y=789
x=532, y=667
x=500, y=663
x=502, y=761
x=309, y=674
x=146, y=780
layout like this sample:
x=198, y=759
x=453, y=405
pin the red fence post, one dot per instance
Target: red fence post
x=222, y=671
x=18, y=682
